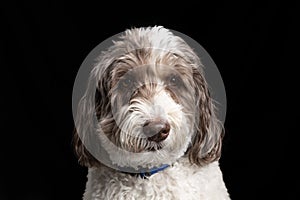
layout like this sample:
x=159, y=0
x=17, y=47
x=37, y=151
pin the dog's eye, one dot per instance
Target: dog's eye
x=174, y=80
x=126, y=83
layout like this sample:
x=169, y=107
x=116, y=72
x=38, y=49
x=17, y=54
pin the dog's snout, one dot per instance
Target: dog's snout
x=156, y=130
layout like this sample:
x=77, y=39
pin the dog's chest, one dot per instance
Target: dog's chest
x=177, y=182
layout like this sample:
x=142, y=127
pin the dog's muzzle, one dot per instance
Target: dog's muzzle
x=156, y=130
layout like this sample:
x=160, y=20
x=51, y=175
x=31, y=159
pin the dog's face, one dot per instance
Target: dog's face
x=152, y=111
x=152, y=102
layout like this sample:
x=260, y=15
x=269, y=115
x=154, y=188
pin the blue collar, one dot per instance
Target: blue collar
x=146, y=174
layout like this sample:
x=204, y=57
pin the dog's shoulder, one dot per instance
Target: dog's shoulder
x=194, y=182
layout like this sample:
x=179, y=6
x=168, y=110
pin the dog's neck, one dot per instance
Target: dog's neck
x=144, y=174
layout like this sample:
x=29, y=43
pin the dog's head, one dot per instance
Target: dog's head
x=151, y=100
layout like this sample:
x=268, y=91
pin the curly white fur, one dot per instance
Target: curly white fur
x=182, y=181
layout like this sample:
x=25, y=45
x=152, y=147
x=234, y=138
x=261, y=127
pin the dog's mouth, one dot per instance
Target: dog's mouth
x=148, y=146
x=154, y=148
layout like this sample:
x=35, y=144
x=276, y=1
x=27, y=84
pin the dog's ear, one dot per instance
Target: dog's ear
x=83, y=133
x=85, y=158
x=93, y=106
x=207, y=140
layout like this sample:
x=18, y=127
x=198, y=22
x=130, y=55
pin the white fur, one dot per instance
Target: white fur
x=182, y=181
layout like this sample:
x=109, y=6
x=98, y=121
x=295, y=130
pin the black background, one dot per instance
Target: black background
x=44, y=44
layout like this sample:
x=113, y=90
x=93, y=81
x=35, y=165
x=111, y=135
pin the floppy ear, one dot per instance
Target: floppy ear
x=91, y=108
x=83, y=132
x=85, y=158
x=207, y=140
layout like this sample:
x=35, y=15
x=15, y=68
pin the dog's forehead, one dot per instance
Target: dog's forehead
x=149, y=71
x=158, y=65
x=153, y=70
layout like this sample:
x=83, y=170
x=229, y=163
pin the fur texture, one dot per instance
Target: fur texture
x=181, y=181
x=150, y=82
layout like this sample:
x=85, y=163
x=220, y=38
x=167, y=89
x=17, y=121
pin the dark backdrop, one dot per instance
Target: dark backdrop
x=44, y=44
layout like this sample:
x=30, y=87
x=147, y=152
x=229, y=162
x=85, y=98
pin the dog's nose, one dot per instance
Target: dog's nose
x=156, y=130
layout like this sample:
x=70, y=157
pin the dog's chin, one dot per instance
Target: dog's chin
x=155, y=155
x=150, y=157
x=153, y=149
x=153, y=146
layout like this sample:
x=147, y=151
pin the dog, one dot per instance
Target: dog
x=146, y=126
